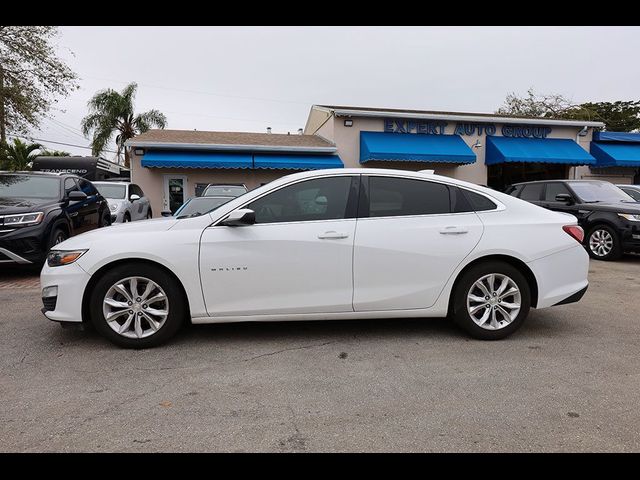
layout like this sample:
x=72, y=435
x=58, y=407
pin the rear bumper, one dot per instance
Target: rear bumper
x=576, y=297
x=561, y=276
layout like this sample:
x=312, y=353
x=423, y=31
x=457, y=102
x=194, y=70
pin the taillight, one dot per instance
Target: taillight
x=575, y=231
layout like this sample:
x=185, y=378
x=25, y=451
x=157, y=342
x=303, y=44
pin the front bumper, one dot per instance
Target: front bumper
x=24, y=245
x=71, y=281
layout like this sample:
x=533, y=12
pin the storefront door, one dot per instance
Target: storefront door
x=503, y=175
x=175, y=192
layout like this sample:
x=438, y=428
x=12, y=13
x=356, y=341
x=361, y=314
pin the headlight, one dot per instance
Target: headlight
x=23, y=219
x=114, y=207
x=630, y=216
x=57, y=258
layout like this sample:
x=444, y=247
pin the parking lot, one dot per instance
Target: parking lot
x=569, y=380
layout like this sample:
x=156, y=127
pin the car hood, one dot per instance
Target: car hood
x=9, y=205
x=619, y=207
x=117, y=233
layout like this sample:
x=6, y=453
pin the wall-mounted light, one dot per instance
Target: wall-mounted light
x=139, y=151
x=348, y=123
x=584, y=131
x=477, y=144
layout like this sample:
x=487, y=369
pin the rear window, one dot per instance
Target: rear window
x=391, y=197
x=479, y=202
x=532, y=192
x=515, y=190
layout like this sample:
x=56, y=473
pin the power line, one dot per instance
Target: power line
x=200, y=92
x=57, y=143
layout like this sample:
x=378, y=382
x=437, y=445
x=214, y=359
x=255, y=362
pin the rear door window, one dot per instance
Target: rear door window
x=532, y=192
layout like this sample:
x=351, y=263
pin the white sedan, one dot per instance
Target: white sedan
x=324, y=245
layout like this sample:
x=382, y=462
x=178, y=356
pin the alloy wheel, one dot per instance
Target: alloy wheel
x=494, y=301
x=135, y=307
x=601, y=243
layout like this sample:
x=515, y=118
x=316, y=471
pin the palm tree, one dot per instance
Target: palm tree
x=110, y=113
x=19, y=155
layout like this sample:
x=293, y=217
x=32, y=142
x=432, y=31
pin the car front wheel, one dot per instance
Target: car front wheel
x=491, y=300
x=603, y=243
x=137, y=306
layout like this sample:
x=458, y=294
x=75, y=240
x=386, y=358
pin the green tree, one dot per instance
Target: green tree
x=54, y=153
x=620, y=116
x=32, y=77
x=18, y=155
x=112, y=112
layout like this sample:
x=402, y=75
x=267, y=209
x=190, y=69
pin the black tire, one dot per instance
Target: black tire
x=126, y=218
x=177, y=307
x=459, y=311
x=105, y=221
x=616, y=249
x=149, y=214
x=58, y=235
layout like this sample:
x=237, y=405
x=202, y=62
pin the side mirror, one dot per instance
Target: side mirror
x=239, y=218
x=134, y=197
x=564, y=198
x=77, y=196
x=166, y=213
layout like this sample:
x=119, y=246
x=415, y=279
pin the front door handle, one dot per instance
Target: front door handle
x=454, y=231
x=332, y=235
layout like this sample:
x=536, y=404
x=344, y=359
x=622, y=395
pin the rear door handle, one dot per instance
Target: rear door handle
x=332, y=235
x=454, y=231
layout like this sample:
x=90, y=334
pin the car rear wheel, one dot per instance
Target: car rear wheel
x=137, y=306
x=491, y=300
x=603, y=243
x=126, y=218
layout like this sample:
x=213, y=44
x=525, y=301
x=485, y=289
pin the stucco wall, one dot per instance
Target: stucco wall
x=151, y=180
x=347, y=139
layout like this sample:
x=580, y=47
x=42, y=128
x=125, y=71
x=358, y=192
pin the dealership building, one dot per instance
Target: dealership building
x=495, y=150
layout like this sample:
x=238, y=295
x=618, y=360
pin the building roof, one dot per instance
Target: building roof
x=343, y=110
x=203, y=140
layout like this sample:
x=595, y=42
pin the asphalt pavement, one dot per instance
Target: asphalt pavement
x=569, y=380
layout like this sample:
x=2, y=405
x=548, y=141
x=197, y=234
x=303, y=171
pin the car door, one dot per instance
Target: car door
x=137, y=207
x=144, y=203
x=296, y=258
x=408, y=243
x=90, y=210
x=553, y=189
x=77, y=210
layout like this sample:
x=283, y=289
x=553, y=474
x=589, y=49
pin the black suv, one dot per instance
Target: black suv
x=39, y=210
x=610, y=218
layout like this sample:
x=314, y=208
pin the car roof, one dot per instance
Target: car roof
x=635, y=187
x=559, y=181
x=111, y=183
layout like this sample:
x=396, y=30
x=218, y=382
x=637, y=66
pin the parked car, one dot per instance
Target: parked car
x=127, y=201
x=632, y=190
x=40, y=210
x=225, y=190
x=327, y=244
x=609, y=216
x=197, y=206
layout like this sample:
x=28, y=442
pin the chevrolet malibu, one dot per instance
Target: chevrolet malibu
x=324, y=245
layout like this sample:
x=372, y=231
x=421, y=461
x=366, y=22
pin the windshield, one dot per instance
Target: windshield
x=224, y=191
x=199, y=206
x=108, y=190
x=27, y=186
x=599, y=192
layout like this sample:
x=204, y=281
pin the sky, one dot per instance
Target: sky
x=249, y=78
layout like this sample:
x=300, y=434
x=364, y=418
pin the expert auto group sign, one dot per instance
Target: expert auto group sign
x=437, y=127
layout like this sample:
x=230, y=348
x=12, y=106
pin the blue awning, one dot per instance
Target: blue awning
x=414, y=147
x=616, y=137
x=620, y=154
x=536, y=150
x=297, y=162
x=182, y=159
